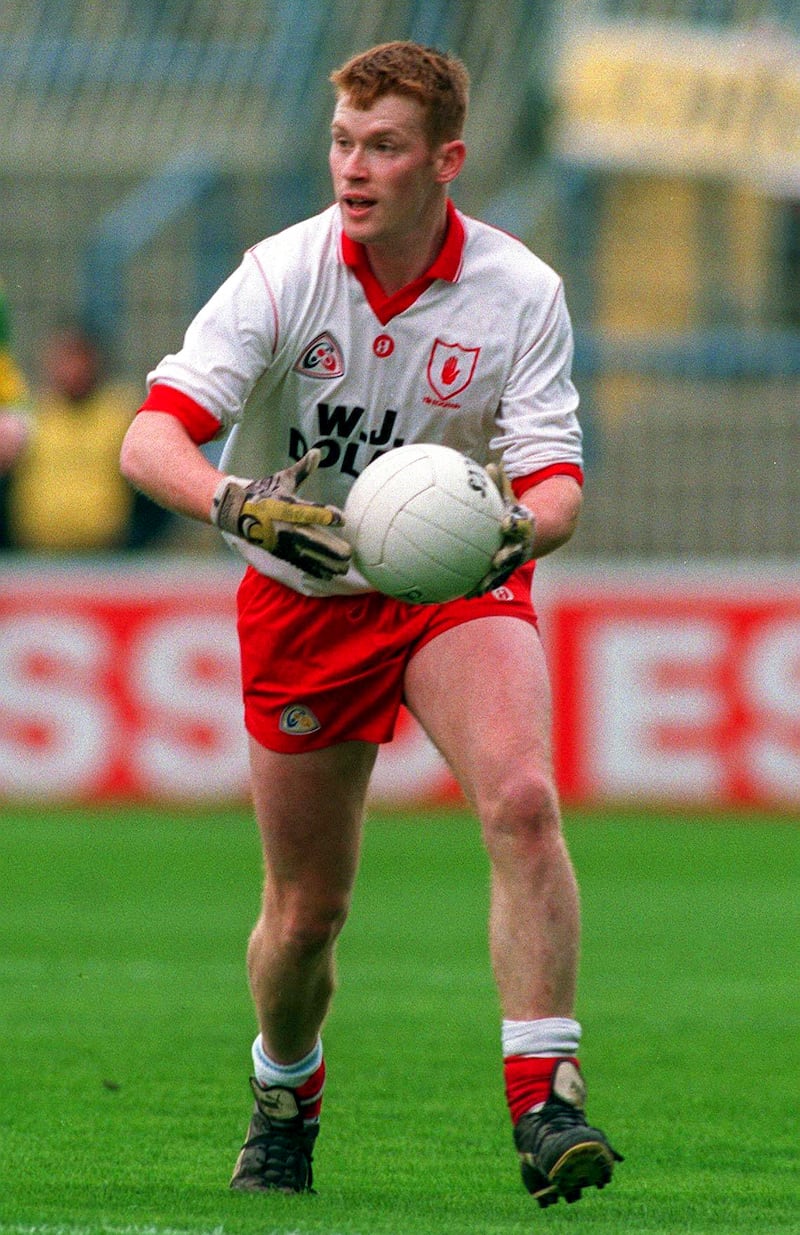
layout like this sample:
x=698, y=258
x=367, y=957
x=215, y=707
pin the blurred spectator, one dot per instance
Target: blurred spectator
x=65, y=493
x=14, y=418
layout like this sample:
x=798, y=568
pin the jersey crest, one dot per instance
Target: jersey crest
x=322, y=358
x=451, y=368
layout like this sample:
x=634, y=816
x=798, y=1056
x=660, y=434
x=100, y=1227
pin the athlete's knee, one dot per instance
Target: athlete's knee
x=522, y=812
x=304, y=926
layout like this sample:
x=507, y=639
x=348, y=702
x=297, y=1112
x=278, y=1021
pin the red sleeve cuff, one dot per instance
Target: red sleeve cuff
x=201, y=426
x=520, y=484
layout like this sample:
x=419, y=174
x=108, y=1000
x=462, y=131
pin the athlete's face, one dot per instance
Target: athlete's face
x=388, y=180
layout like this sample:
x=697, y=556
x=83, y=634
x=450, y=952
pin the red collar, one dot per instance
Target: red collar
x=446, y=265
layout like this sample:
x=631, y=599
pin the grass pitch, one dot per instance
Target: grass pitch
x=126, y=1025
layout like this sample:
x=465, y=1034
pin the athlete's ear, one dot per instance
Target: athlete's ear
x=449, y=160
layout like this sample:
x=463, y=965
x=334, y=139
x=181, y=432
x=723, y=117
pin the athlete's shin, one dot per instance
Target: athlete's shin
x=534, y=925
x=292, y=978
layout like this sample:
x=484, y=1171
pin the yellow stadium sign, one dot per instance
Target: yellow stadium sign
x=653, y=98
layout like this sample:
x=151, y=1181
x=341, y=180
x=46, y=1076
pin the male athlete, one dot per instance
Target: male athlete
x=389, y=318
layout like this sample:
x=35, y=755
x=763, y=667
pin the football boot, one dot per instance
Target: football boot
x=560, y=1154
x=277, y=1153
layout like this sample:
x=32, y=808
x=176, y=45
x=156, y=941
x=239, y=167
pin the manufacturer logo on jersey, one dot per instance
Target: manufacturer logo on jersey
x=383, y=345
x=451, y=368
x=298, y=721
x=322, y=358
x=502, y=593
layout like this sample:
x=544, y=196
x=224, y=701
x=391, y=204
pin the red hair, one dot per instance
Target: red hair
x=438, y=81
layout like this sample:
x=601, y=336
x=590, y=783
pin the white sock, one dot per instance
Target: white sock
x=291, y=1075
x=552, y=1035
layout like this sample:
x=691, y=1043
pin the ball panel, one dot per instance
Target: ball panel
x=441, y=568
x=381, y=472
x=384, y=486
x=394, y=494
x=457, y=517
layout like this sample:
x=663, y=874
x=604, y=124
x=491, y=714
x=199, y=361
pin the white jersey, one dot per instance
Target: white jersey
x=300, y=347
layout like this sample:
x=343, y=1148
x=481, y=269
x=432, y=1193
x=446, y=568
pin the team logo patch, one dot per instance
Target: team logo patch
x=298, y=721
x=451, y=368
x=322, y=358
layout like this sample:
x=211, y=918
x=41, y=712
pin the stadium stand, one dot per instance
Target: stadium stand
x=144, y=146
x=109, y=107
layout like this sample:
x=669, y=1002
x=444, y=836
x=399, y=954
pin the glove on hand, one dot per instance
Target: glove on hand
x=267, y=513
x=517, y=529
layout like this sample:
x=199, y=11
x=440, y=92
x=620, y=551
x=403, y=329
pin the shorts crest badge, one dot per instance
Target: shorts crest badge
x=298, y=720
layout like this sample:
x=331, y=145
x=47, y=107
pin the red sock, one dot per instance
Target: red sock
x=309, y=1094
x=527, y=1079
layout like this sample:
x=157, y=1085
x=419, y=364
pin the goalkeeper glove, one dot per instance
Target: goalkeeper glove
x=517, y=529
x=268, y=513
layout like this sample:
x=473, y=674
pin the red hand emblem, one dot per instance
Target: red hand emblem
x=450, y=370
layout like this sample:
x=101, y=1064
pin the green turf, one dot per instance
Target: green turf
x=125, y=1026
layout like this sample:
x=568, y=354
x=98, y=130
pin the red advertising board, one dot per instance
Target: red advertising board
x=670, y=685
x=123, y=684
x=676, y=685
x=119, y=685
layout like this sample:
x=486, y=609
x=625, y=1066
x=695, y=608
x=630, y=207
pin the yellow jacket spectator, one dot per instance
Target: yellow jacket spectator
x=14, y=422
x=66, y=494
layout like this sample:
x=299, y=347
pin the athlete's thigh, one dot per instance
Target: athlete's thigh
x=481, y=692
x=310, y=807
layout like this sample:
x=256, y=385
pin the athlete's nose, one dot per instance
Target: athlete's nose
x=353, y=165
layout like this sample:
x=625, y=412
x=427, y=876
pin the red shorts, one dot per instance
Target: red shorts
x=321, y=670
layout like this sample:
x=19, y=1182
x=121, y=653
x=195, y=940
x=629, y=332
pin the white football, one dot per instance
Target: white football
x=424, y=523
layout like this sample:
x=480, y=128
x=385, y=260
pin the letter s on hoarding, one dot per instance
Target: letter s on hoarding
x=56, y=721
x=191, y=743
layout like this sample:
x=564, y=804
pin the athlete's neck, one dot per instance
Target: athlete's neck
x=395, y=265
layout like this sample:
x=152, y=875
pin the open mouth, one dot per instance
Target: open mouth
x=358, y=206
